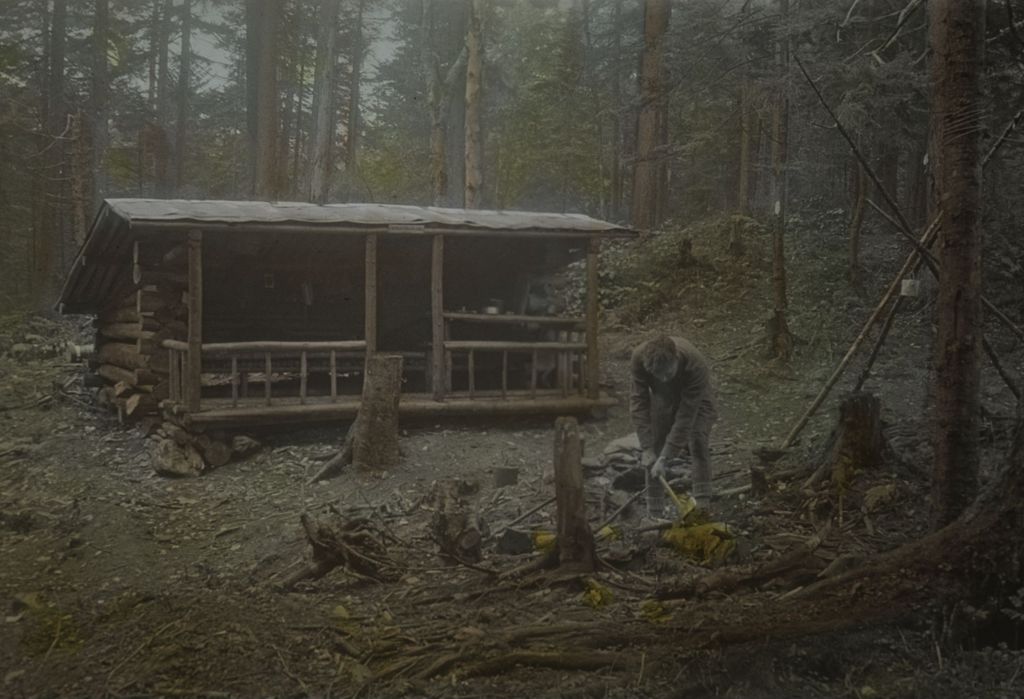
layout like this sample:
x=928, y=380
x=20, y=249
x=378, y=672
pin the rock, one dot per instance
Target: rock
x=171, y=459
x=514, y=542
x=629, y=443
x=243, y=446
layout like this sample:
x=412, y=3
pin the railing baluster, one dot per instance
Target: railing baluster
x=334, y=376
x=533, y=374
x=303, y=377
x=234, y=381
x=504, y=374
x=266, y=383
x=563, y=372
x=472, y=371
x=172, y=365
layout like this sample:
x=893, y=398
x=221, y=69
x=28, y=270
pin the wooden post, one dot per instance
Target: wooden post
x=174, y=389
x=504, y=374
x=303, y=377
x=593, y=365
x=375, y=432
x=267, y=371
x=533, y=373
x=371, y=295
x=195, y=320
x=575, y=540
x=437, y=315
x=334, y=376
x=234, y=381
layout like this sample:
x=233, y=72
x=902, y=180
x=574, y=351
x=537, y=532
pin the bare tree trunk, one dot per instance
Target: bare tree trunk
x=300, y=98
x=645, y=171
x=474, y=68
x=163, y=100
x=440, y=90
x=267, y=101
x=615, y=207
x=780, y=338
x=860, y=191
x=51, y=240
x=355, y=82
x=958, y=41
x=253, y=31
x=100, y=92
x=743, y=185
x=79, y=167
x=323, y=107
x=184, y=93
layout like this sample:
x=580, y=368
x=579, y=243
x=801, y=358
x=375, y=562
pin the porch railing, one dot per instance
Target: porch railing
x=246, y=358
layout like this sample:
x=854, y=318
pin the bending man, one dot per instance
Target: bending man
x=673, y=408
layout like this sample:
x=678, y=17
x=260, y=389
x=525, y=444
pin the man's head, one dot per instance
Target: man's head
x=660, y=359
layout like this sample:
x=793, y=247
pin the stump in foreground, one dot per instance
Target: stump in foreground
x=575, y=542
x=375, y=433
x=855, y=444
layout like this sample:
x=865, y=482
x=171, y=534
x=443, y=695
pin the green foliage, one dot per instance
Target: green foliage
x=638, y=279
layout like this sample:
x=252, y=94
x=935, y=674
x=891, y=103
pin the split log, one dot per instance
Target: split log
x=375, y=442
x=124, y=331
x=856, y=443
x=122, y=314
x=140, y=379
x=575, y=541
x=139, y=404
x=454, y=525
x=121, y=354
x=172, y=459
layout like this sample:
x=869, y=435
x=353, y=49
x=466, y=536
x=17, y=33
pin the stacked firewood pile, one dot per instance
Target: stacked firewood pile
x=129, y=357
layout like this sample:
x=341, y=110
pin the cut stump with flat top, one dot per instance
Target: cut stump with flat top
x=375, y=433
x=855, y=444
x=575, y=542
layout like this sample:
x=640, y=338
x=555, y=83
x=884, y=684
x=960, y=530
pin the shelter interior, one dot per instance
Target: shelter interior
x=261, y=321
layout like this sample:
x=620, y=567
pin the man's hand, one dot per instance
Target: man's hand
x=648, y=458
x=658, y=469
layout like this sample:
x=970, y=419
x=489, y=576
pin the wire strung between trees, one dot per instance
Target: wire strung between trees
x=921, y=254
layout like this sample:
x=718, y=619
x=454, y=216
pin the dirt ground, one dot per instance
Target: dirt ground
x=117, y=582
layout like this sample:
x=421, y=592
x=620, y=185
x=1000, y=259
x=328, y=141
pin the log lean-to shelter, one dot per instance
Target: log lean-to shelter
x=223, y=314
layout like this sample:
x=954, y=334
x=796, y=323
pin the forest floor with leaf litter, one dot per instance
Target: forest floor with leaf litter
x=117, y=582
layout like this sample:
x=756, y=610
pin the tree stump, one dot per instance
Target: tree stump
x=856, y=443
x=375, y=438
x=575, y=542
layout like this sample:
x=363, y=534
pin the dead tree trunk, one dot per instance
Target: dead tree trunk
x=375, y=439
x=474, y=68
x=323, y=106
x=575, y=542
x=780, y=339
x=958, y=42
x=645, y=170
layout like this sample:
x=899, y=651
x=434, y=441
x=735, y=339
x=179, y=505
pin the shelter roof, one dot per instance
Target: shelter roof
x=105, y=256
